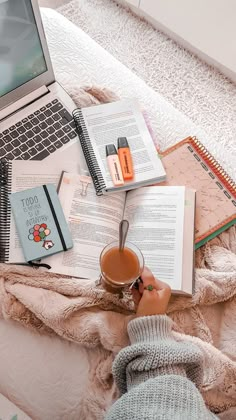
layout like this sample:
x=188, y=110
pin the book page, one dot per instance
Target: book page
x=105, y=123
x=93, y=222
x=30, y=174
x=156, y=217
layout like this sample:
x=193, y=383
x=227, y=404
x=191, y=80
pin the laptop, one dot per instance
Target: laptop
x=35, y=111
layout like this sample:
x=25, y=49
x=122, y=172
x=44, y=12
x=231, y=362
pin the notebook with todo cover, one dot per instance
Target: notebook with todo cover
x=40, y=222
x=189, y=163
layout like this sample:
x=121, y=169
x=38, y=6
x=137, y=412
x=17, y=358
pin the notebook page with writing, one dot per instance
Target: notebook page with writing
x=189, y=163
x=103, y=124
x=93, y=222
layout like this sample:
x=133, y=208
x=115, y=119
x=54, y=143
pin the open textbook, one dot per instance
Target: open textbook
x=161, y=224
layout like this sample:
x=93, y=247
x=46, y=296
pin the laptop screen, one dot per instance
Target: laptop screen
x=21, y=54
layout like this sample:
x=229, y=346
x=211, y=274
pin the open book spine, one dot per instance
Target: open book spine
x=88, y=151
x=5, y=209
x=214, y=166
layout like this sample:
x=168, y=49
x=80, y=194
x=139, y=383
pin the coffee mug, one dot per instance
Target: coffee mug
x=119, y=269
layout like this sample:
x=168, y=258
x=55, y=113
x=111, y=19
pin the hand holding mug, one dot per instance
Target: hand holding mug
x=153, y=295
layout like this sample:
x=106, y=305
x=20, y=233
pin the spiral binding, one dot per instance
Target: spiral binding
x=214, y=165
x=5, y=209
x=88, y=151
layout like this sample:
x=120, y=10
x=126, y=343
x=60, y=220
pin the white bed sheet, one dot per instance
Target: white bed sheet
x=77, y=59
x=45, y=376
x=9, y=411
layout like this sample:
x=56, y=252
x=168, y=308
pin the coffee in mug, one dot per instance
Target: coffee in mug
x=120, y=268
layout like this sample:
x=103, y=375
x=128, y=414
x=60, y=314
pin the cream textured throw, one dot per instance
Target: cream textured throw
x=78, y=311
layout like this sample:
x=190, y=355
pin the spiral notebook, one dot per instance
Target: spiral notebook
x=101, y=125
x=189, y=163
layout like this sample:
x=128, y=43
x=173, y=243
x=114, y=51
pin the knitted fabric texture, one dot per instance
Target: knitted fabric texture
x=158, y=377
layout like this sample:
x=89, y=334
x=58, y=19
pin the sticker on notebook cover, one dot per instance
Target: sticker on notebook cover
x=38, y=233
x=48, y=244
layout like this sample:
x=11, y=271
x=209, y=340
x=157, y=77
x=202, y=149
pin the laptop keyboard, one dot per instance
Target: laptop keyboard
x=39, y=134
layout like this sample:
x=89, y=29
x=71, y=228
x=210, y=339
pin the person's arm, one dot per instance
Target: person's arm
x=157, y=376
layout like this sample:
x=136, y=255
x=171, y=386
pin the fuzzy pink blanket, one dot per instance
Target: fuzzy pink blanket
x=78, y=311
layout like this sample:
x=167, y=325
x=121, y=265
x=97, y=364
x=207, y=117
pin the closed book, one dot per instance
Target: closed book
x=40, y=222
x=189, y=163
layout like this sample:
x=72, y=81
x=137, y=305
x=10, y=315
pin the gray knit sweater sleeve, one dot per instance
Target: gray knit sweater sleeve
x=158, y=378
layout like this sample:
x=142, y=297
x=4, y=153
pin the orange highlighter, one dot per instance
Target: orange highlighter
x=125, y=159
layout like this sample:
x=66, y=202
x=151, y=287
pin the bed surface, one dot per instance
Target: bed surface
x=45, y=376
